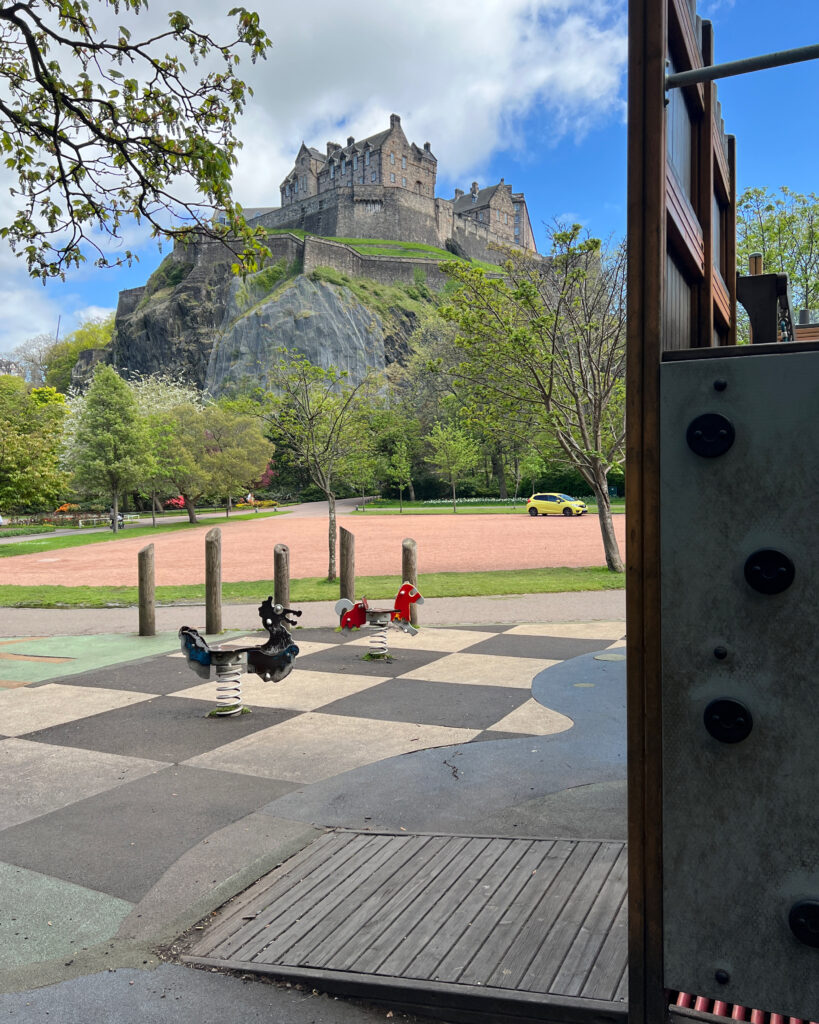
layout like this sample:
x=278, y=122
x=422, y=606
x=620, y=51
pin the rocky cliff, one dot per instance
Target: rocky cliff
x=196, y=319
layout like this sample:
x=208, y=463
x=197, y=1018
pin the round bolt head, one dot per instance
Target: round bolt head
x=710, y=435
x=769, y=571
x=804, y=922
x=728, y=721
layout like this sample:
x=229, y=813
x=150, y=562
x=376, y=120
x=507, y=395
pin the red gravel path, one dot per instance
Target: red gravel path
x=445, y=544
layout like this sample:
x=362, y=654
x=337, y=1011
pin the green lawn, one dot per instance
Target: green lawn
x=618, y=505
x=443, y=584
x=32, y=547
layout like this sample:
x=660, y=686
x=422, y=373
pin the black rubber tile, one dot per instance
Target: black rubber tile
x=159, y=674
x=122, y=841
x=450, y=704
x=349, y=658
x=324, y=635
x=556, y=648
x=162, y=729
x=484, y=736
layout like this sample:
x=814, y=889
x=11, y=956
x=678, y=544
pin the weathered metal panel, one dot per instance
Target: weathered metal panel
x=740, y=818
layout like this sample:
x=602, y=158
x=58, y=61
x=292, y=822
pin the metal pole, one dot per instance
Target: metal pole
x=742, y=67
x=213, y=581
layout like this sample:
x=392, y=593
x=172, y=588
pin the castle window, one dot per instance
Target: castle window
x=373, y=176
x=367, y=158
x=517, y=207
x=480, y=215
x=332, y=170
x=392, y=158
x=355, y=162
x=474, y=198
x=392, y=178
x=517, y=231
x=343, y=166
x=498, y=213
x=287, y=190
x=361, y=180
x=404, y=162
x=404, y=182
x=296, y=186
x=506, y=218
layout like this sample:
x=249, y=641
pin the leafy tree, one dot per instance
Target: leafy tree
x=785, y=229
x=453, y=453
x=30, y=435
x=32, y=357
x=313, y=413
x=109, y=445
x=237, y=452
x=97, y=125
x=545, y=345
x=400, y=469
x=180, y=453
x=61, y=358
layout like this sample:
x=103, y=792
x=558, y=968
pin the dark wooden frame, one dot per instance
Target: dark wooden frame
x=662, y=223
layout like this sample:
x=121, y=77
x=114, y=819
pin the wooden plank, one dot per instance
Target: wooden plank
x=722, y=300
x=387, y=887
x=446, y=902
x=648, y=36
x=704, y=334
x=557, y=943
x=306, y=911
x=684, y=42
x=264, y=891
x=297, y=898
x=514, y=916
x=455, y=963
x=573, y=972
x=687, y=231
x=376, y=959
x=515, y=962
x=731, y=243
x=609, y=966
x=456, y=929
x=434, y=997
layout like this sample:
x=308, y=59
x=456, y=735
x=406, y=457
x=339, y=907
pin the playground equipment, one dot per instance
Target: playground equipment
x=272, y=660
x=358, y=614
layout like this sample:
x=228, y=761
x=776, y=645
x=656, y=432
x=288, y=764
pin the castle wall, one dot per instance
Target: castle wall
x=320, y=252
x=128, y=301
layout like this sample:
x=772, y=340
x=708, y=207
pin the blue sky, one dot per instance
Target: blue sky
x=529, y=90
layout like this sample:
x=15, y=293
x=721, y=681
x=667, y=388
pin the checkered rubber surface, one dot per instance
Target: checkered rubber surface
x=109, y=776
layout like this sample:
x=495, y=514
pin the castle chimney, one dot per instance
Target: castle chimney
x=474, y=188
x=350, y=140
x=426, y=147
x=395, y=121
x=458, y=193
x=501, y=181
x=332, y=146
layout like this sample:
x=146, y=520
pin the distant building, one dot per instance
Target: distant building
x=384, y=187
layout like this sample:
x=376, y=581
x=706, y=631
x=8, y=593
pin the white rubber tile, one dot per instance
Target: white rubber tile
x=304, y=646
x=302, y=690
x=534, y=719
x=313, y=747
x=481, y=670
x=27, y=709
x=571, y=630
x=36, y=778
x=428, y=639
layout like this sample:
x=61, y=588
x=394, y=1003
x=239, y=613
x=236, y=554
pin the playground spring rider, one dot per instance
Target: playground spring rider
x=272, y=660
x=353, y=616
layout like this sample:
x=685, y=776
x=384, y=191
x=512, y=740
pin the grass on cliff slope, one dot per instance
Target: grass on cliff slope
x=384, y=299
x=376, y=588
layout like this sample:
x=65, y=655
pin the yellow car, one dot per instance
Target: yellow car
x=555, y=505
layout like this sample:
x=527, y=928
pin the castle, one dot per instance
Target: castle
x=384, y=187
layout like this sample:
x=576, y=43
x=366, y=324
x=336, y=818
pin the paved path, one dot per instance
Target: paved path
x=445, y=544
x=126, y=815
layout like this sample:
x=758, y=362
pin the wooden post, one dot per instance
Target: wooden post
x=409, y=572
x=281, y=575
x=147, y=603
x=213, y=581
x=346, y=576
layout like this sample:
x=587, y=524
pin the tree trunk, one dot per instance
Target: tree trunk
x=190, y=509
x=454, y=508
x=499, y=472
x=410, y=492
x=153, y=508
x=115, y=517
x=227, y=508
x=612, y=550
x=331, y=564
x=157, y=504
x=400, y=499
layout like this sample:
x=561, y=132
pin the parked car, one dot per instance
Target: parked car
x=555, y=505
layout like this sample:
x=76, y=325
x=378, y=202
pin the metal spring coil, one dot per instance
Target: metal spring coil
x=378, y=642
x=229, y=688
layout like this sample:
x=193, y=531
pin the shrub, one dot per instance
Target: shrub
x=174, y=502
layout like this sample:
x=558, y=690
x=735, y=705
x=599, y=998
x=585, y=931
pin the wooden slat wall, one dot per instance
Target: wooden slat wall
x=681, y=296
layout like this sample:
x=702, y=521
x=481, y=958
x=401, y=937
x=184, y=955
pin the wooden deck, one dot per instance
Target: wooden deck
x=476, y=928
